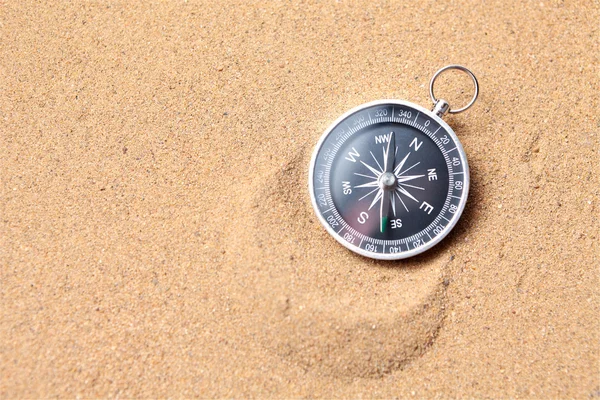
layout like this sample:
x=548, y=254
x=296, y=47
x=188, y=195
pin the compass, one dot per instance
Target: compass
x=389, y=179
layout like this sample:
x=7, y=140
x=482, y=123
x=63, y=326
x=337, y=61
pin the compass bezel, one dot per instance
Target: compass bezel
x=403, y=253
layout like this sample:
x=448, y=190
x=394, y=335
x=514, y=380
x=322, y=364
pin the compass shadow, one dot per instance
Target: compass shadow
x=333, y=312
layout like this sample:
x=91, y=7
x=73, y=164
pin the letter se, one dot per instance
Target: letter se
x=396, y=223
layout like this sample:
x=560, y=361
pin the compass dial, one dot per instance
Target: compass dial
x=389, y=179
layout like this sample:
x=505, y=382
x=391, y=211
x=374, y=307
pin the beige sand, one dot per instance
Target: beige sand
x=156, y=236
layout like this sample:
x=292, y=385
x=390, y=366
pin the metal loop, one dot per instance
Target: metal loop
x=460, y=68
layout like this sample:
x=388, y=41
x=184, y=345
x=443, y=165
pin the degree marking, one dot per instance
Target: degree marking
x=446, y=152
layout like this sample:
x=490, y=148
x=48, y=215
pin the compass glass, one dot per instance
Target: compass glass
x=389, y=179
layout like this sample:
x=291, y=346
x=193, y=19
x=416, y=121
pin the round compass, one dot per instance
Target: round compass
x=389, y=179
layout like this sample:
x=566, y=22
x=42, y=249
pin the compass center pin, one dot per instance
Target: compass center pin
x=387, y=181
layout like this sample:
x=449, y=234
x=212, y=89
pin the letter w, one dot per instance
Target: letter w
x=352, y=154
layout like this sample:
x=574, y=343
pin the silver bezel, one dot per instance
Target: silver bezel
x=407, y=253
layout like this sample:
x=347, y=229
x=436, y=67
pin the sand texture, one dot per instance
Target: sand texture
x=156, y=232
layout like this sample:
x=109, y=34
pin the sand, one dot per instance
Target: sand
x=156, y=233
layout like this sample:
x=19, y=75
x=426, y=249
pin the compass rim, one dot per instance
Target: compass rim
x=406, y=253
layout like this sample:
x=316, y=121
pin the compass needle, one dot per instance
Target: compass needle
x=362, y=162
x=388, y=157
x=384, y=210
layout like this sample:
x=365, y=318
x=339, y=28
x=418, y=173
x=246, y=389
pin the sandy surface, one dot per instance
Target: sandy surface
x=156, y=233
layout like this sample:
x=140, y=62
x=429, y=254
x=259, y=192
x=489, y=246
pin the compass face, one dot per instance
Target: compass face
x=389, y=179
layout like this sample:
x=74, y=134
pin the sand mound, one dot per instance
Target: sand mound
x=324, y=326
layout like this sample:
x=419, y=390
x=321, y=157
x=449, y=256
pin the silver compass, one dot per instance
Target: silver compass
x=389, y=179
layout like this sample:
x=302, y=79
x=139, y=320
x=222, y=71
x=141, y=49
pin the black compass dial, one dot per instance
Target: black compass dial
x=389, y=180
